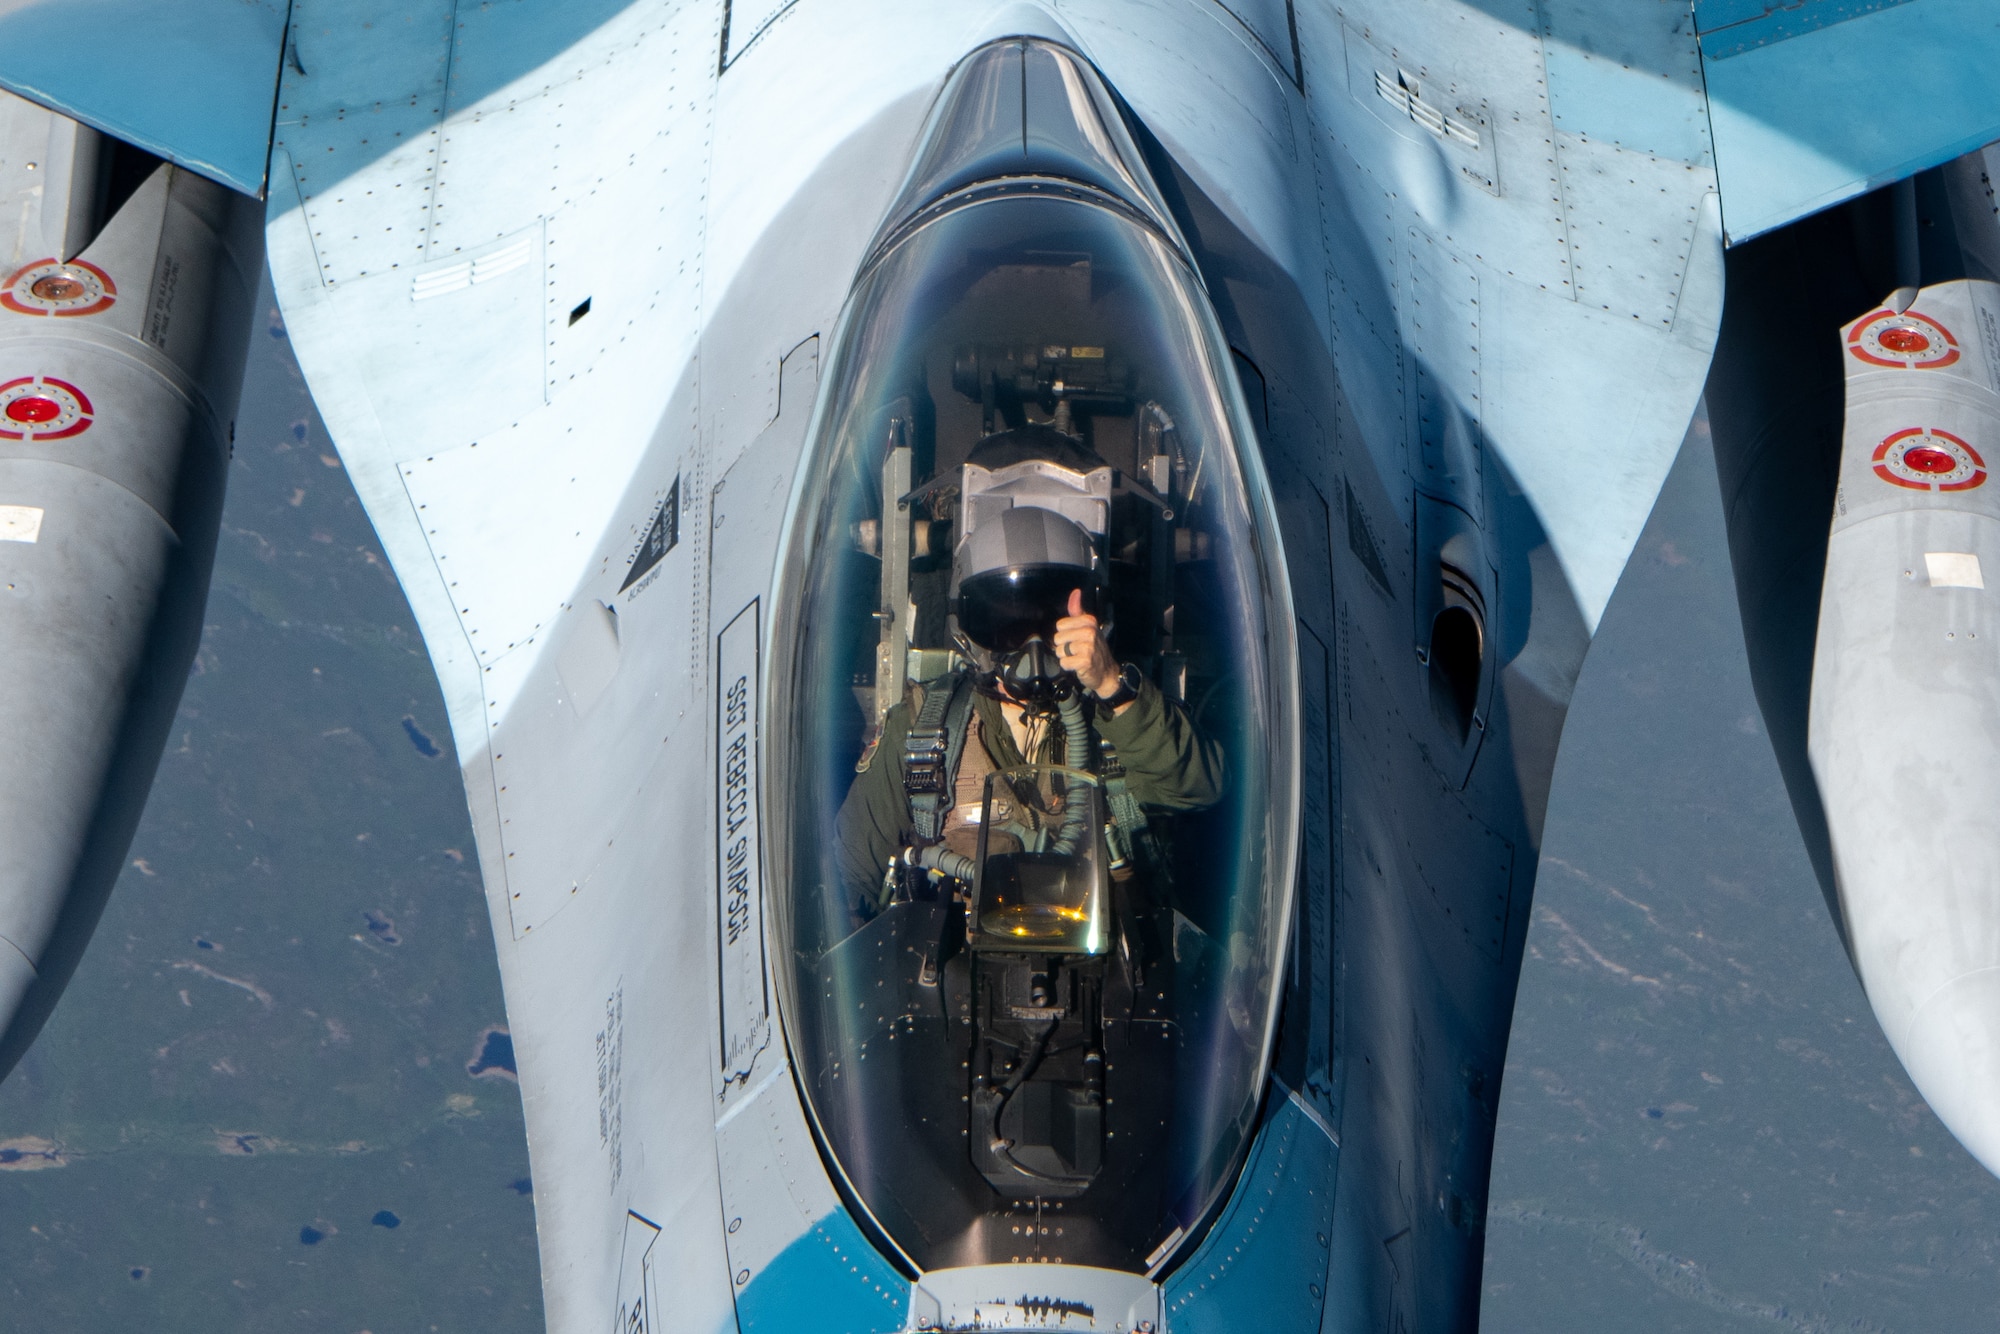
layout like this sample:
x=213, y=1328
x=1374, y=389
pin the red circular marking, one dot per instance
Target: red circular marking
x=1907, y=341
x=41, y=407
x=50, y=287
x=34, y=408
x=82, y=399
x=1927, y=459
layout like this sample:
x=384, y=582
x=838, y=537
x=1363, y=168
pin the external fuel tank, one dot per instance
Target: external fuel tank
x=1904, y=736
x=124, y=315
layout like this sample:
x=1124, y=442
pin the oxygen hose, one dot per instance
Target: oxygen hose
x=1031, y=1060
x=1076, y=755
x=937, y=857
x=1076, y=738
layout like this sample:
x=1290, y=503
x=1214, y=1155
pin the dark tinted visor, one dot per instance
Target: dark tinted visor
x=1001, y=610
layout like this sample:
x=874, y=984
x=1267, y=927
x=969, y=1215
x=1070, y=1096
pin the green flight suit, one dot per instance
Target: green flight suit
x=1169, y=766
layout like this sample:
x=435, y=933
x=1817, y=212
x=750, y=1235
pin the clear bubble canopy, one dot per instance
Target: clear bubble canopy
x=1032, y=894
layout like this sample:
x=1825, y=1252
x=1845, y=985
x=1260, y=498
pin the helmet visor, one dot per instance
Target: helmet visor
x=1001, y=610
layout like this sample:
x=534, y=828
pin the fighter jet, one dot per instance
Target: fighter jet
x=1007, y=578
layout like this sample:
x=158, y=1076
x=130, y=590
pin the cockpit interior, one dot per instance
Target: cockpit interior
x=1031, y=931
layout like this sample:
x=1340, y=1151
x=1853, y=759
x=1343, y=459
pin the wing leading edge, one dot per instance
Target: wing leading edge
x=194, y=82
x=1813, y=104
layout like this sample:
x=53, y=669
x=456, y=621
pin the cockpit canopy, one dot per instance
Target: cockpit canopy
x=1031, y=929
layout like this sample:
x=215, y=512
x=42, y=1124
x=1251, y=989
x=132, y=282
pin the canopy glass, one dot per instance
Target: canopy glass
x=1030, y=940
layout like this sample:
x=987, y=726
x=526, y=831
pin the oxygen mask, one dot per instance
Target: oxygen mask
x=1033, y=676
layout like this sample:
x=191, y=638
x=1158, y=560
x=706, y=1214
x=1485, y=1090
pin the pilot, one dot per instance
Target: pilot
x=1032, y=653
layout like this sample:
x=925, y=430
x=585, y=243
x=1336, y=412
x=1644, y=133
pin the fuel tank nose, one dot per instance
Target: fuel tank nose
x=1952, y=1051
x=1904, y=731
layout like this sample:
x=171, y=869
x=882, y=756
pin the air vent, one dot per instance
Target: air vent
x=1457, y=654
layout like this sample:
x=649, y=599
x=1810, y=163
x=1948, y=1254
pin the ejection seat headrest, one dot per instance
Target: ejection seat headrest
x=1034, y=441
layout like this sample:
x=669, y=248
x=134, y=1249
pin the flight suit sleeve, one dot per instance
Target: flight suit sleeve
x=1168, y=763
x=874, y=820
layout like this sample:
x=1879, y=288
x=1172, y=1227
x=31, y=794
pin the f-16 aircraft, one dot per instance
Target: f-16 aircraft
x=1007, y=578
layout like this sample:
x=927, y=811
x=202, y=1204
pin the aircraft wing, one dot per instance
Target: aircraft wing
x=193, y=82
x=1575, y=180
x=1816, y=101
x=1809, y=103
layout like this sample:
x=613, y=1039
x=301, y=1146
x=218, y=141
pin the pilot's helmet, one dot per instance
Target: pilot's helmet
x=1013, y=579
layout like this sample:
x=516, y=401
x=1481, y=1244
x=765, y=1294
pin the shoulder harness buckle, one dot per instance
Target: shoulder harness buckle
x=931, y=750
x=923, y=760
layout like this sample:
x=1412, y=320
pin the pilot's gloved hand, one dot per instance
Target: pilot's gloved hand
x=1082, y=650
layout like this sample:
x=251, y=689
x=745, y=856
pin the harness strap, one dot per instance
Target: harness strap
x=931, y=751
x=935, y=744
x=1128, y=818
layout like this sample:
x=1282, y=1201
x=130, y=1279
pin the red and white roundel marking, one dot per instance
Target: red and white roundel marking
x=39, y=407
x=1912, y=341
x=49, y=287
x=1924, y=458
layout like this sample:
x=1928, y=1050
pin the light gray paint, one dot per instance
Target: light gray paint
x=1905, y=721
x=114, y=519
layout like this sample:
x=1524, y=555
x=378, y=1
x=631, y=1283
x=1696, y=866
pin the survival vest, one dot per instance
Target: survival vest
x=936, y=742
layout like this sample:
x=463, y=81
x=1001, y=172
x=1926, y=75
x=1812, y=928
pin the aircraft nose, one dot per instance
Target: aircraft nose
x=1952, y=1051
